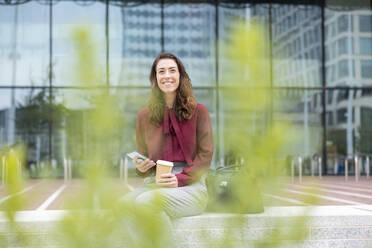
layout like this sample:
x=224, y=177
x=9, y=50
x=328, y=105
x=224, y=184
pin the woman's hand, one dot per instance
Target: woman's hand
x=145, y=165
x=168, y=180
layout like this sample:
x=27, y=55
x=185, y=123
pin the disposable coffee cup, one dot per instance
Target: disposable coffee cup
x=163, y=167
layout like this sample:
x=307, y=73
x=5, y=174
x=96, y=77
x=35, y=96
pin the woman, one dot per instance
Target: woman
x=173, y=127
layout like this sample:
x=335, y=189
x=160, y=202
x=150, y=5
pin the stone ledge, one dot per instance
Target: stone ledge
x=327, y=226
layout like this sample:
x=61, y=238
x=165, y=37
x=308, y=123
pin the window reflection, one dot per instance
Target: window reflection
x=303, y=110
x=26, y=116
x=296, y=47
x=189, y=33
x=24, y=44
x=138, y=34
x=66, y=17
x=365, y=46
x=366, y=68
x=365, y=23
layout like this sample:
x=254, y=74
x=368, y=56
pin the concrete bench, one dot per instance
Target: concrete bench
x=327, y=226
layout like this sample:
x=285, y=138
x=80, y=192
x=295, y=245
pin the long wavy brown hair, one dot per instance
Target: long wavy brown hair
x=184, y=104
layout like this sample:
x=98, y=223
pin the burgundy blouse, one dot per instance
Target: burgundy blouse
x=190, y=141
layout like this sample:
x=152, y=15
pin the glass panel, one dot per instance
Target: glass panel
x=365, y=23
x=135, y=40
x=340, y=133
x=189, y=32
x=341, y=95
x=24, y=44
x=343, y=68
x=343, y=57
x=342, y=46
x=365, y=46
x=330, y=118
x=25, y=118
x=229, y=19
x=79, y=136
x=364, y=141
x=66, y=17
x=302, y=109
x=7, y=110
x=366, y=68
x=347, y=137
x=242, y=120
x=329, y=97
x=297, y=47
x=344, y=25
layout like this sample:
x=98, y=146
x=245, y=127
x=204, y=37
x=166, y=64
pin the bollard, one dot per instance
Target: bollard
x=3, y=161
x=125, y=170
x=6, y=165
x=300, y=169
x=356, y=168
x=292, y=170
x=346, y=169
x=65, y=169
x=367, y=169
x=320, y=167
x=67, y=165
x=121, y=169
x=19, y=167
x=312, y=167
x=70, y=169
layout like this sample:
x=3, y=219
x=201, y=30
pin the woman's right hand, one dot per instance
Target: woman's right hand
x=145, y=165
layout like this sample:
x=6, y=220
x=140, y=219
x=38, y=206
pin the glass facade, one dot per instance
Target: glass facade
x=40, y=103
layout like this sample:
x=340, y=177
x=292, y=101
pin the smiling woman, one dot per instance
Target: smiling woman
x=175, y=128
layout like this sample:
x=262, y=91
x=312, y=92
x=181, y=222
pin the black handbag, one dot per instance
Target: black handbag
x=232, y=190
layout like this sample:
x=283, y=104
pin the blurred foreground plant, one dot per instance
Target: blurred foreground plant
x=97, y=218
x=12, y=159
x=257, y=142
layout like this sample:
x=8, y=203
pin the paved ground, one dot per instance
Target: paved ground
x=332, y=190
x=50, y=194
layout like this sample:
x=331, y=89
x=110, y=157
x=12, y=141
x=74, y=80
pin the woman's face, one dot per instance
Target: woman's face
x=167, y=75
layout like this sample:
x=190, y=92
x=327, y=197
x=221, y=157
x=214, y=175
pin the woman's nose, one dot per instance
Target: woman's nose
x=167, y=74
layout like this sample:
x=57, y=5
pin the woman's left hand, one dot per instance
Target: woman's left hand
x=168, y=180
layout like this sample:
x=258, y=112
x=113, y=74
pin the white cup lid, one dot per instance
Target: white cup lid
x=163, y=162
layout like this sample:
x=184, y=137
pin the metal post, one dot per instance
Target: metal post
x=300, y=168
x=121, y=168
x=312, y=167
x=320, y=166
x=356, y=168
x=125, y=170
x=346, y=169
x=3, y=165
x=65, y=169
x=292, y=170
x=19, y=167
x=6, y=170
x=70, y=169
x=367, y=169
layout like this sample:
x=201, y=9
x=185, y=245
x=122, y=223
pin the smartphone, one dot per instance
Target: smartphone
x=134, y=154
